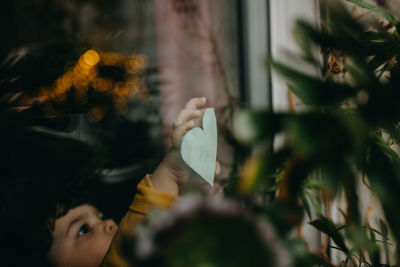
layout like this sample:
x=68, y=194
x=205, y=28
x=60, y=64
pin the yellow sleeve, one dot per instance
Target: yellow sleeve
x=146, y=198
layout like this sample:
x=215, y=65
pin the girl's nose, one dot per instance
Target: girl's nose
x=110, y=227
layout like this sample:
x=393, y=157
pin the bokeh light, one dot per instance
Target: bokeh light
x=249, y=174
x=84, y=76
x=91, y=58
x=95, y=114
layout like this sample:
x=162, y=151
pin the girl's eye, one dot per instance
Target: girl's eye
x=83, y=230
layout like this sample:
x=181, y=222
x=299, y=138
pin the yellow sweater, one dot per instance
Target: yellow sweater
x=146, y=198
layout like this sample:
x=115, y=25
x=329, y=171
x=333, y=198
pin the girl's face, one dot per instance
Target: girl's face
x=81, y=237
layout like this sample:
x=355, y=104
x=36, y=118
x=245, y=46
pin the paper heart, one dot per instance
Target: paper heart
x=199, y=147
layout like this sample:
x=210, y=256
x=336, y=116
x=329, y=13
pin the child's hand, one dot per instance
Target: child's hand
x=187, y=119
x=173, y=171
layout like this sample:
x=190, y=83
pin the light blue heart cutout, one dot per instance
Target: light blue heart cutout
x=199, y=147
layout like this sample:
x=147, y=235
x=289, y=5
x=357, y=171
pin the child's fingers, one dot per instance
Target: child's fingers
x=186, y=115
x=196, y=103
x=187, y=119
x=217, y=168
x=180, y=131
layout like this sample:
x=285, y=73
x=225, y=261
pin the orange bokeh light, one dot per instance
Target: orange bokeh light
x=95, y=114
x=142, y=61
x=84, y=74
x=91, y=57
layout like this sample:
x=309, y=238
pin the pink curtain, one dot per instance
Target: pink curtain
x=188, y=57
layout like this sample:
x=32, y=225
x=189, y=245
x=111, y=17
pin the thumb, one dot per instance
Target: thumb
x=217, y=167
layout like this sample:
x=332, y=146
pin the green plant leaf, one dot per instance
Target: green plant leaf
x=313, y=91
x=378, y=11
x=306, y=205
x=314, y=202
x=328, y=227
x=349, y=256
x=384, y=175
x=385, y=233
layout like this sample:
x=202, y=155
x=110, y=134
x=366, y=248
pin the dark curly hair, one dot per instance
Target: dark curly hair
x=27, y=225
x=41, y=181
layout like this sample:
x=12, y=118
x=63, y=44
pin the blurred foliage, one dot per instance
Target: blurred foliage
x=199, y=233
x=345, y=135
